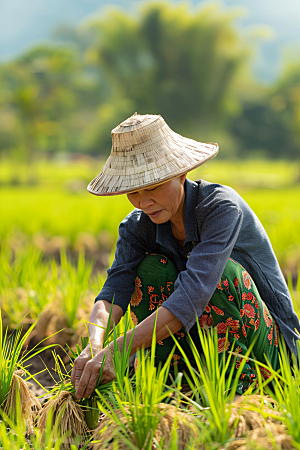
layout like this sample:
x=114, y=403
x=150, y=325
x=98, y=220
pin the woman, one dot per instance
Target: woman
x=187, y=249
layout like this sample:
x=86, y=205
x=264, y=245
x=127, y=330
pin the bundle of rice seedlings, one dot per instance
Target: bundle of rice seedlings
x=109, y=433
x=14, y=390
x=138, y=417
x=269, y=437
x=250, y=413
x=66, y=414
x=257, y=425
x=19, y=391
x=85, y=412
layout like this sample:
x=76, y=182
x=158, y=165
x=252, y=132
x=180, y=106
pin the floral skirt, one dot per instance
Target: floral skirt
x=235, y=306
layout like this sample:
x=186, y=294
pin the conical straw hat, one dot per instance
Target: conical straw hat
x=146, y=152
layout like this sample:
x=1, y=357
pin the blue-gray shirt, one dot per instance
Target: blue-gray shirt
x=219, y=224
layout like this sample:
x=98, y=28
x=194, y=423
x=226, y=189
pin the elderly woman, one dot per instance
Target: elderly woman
x=188, y=251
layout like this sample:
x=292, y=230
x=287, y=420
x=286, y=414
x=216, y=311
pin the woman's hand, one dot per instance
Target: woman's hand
x=97, y=326
x=80, y=362
x=87, y=372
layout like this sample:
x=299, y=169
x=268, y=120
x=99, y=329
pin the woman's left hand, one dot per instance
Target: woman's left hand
x=89, y=377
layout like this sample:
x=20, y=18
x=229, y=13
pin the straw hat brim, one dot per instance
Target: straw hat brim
x=147, y=152
x=155, y=183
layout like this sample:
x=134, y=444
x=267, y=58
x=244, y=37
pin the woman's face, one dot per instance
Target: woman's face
x=160, y=203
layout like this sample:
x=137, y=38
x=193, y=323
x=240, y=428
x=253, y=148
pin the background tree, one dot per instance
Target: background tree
x=168, y=60
x=190, y=66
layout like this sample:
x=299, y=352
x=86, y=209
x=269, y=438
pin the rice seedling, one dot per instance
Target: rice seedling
x=135, y=415
x=30, y=286
x=12, y=366
x=212, y=385
x=29, y=403
x=286, y=390
x=14, y=436
x=83, y=414
x=73, y=282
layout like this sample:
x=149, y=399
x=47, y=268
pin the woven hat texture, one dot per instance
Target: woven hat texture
x=145, y=152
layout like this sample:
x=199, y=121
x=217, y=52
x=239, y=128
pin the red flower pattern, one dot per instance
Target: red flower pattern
x=256, y=324
x=249, y=296
x=276, y=334
x=265, y=372
x=270, y=335
x=205, y=320
x=222, y=344
x=221, y=327
x=249, y=311
x=134, y=318
x=236, y=282
x=219, y=286
x=137, y=294
x=217, y=310
x=169, y=286
x=266, y=315
x=246, y=279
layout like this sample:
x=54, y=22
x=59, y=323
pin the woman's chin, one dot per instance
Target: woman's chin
x=161, y=218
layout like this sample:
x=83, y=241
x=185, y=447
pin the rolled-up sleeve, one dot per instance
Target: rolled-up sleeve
x=130, y=251
x=220, y=222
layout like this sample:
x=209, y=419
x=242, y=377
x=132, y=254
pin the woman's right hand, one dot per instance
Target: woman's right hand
x=97, y=326
x=80, y=362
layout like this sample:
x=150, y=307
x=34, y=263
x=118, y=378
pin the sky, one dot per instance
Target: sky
x=25, y=23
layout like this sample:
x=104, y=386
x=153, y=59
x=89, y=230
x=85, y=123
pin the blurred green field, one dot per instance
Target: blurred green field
x=47, y=204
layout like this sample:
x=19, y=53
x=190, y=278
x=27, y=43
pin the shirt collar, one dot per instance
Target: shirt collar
x=164, y=234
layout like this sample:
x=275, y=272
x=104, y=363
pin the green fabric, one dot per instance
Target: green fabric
x=235, y=304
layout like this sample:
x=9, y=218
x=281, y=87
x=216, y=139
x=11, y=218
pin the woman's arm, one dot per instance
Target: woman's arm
x=99, y=316
x=142, y=338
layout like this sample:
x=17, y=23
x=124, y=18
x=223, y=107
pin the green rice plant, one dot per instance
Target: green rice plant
x=137, y=399
x=27, y=283
x=12, y=364
x=14, y=434
x=295, y=293
x=30, y=285
x=286, y=389
x=212, y=384
x=72, y=283
x=89, y=406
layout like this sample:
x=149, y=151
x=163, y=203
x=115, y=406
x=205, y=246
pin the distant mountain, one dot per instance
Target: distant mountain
x=25, y=23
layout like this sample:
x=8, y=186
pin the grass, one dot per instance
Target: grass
x=142, y=412
x=57, y=212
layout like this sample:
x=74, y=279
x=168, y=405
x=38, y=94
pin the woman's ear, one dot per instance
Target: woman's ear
x=182, y=178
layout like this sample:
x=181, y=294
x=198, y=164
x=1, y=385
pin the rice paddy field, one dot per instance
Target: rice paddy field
x=56, y=242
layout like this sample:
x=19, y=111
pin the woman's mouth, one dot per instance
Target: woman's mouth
x=154, y=214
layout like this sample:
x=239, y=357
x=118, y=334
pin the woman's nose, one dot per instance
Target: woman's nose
x=145, y=200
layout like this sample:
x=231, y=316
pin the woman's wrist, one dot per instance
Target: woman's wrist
x=95, y=345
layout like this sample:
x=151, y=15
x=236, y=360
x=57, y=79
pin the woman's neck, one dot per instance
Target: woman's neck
x=177, y=224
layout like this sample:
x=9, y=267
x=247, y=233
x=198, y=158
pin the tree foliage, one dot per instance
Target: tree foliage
x=190, y=66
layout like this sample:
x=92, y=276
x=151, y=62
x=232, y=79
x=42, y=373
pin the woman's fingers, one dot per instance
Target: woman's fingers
x=78, y=368
x=86, y=384
x=82, y=382
x=85, y=374
x=91, y=383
